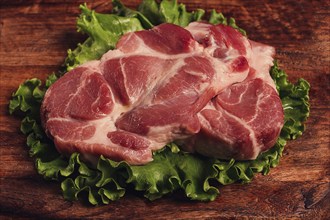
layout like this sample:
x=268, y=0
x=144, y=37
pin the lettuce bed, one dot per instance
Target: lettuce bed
x=172, y=169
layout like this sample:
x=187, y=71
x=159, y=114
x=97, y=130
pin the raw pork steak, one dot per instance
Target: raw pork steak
x=246, y=118
x=159, y=86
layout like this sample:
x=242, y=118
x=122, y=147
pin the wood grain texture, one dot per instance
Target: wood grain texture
x=34, y=38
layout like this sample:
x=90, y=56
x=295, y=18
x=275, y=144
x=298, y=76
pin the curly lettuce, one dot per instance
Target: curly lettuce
x=197, y=176
x=104, y=30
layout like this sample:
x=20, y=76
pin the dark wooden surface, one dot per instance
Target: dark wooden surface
x=34, y=38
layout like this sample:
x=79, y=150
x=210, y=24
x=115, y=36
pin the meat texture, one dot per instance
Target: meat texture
x=200, y=86
x=245, y=118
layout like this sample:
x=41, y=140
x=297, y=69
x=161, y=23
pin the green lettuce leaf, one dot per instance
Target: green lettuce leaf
x=27, y=98
x=295, y=103
x=104, y=30
x=169, y=12
x=198, y=177
x=121, y=10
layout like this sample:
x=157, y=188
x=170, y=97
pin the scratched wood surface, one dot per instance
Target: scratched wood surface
x=34, y=38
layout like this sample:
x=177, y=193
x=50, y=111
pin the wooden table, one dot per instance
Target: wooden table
x=34, y=38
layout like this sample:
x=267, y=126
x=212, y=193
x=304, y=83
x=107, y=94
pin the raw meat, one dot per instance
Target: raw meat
x=246, y=118
x=157, y=87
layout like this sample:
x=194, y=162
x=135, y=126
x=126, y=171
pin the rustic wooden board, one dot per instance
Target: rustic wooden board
x=34, y=38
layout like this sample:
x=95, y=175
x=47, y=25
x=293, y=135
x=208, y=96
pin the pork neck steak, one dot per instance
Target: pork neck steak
x=163, y=85
x=246, y=118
